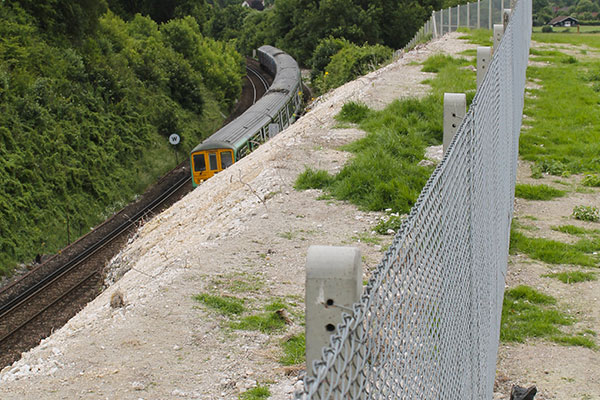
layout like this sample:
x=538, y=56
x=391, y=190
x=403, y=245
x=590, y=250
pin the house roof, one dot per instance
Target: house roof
x=561, y=19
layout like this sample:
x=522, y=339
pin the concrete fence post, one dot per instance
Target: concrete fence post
x=484, y=56
x=498, y=32
x=455, y=109
x=333, y=285
x=506, y=17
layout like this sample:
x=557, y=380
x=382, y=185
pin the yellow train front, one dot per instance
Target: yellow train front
x=272, y=113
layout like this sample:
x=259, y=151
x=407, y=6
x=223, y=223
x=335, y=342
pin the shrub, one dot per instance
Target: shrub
x=546, y=29
x=586, y=213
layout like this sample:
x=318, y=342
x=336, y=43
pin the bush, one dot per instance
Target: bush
x=546, y=29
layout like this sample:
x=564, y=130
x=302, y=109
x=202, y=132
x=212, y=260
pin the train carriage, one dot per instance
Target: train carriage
x=272, y=113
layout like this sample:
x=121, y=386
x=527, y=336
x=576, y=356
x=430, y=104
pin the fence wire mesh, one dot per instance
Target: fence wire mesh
x=427, y=325
x=482, y=14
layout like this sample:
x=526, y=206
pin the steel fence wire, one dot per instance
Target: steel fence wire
x=427, y=325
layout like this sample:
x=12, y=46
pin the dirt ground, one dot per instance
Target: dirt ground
x=248, y=227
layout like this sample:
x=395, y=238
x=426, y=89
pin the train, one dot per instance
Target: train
x=276, y=110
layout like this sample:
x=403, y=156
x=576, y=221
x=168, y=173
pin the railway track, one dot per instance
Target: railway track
x=47, y=297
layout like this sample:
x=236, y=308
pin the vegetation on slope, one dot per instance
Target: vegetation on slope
x=86, y=111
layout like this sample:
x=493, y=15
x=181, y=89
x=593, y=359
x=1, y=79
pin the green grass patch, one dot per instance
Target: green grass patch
x=575, y=230
x=576, y=340
x=239, y=282
x=353, y=112
x=482, y=37
x=438, y=62
x=313, y=179
x=223, y=304
x=537, y=192
x=564, y=133
x=573, y=276
x=267, y=322
x=257, y=393
x=554, y=252
x=527, y=313
x=294, y=350
x=587, y=39
x=384, y=171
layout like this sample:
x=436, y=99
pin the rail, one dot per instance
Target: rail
x=427, y=325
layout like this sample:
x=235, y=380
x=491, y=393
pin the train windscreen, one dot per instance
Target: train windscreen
x=199, y=162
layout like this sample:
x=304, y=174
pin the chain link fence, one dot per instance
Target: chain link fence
x=427, y=325
x=482, y=14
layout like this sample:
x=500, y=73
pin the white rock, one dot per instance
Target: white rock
x=137, y=385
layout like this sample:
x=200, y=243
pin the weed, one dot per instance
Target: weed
x=568, y=60
x=222, y=304
x=537, y=192
x=294, y=349
x=591, y=180
x=528, y=313
x=257, y=393
x=573, y=276
x=392, y=222
x=586, y=213
x=553, y=252
x=286, y=235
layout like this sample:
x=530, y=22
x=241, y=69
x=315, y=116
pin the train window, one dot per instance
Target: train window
x=212, y=160
x=226, y=159
x=199, y=162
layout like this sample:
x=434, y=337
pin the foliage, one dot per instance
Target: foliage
x=83, y=125
x=265, y=322
x=537, y=192
x=393, y=222
x=294, y=349
x=224, y=305
x=349, y=63
x=586, y=213
x=547, y=29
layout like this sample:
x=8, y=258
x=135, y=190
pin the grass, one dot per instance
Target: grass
x=575, y=230
x=239, y=282
x=572, y=30
x=266, y=322
x=384, y=172
x=294, y=350
x=257, y=393
x=573, y=276
x=438, y=62
x=564, y=133
x=554, y=252
x=527, y=313
x=537, y=192
x=588, y=39
x=222, y=304
x=481, y=37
